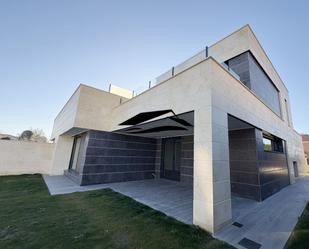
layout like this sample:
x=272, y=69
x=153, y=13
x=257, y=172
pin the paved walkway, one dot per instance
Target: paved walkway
x=268, y=223
x=170, y=197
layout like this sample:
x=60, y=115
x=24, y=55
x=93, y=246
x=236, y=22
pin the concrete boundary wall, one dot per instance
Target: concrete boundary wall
x=22, y=157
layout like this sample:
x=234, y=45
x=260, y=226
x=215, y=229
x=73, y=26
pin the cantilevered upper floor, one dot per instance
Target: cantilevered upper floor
x=240, y=54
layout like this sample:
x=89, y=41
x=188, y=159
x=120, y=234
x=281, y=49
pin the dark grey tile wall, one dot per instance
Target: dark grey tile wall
x=186, y=167
x=244, y=172
x=255, y=173
x=158, y=157
x=112, y=157
x=273, y=169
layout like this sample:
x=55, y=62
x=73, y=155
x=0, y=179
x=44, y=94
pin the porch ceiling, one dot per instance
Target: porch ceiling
x=237, y=124
x=74, y=131
x=172, y=126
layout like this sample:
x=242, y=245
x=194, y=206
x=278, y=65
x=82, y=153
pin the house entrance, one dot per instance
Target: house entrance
x=171, y=156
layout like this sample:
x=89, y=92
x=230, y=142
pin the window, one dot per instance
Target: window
x=272, y=143
x=267, y=144
x=248, y=70
x=295, y=169
x=227, y=67
x=287, y=112
x=77, y=152
x=278, y=145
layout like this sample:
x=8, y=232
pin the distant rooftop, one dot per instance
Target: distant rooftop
x=7, y=137
x=305, y=137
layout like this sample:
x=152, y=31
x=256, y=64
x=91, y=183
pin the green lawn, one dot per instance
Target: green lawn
x=31, y=218
x=300, y=236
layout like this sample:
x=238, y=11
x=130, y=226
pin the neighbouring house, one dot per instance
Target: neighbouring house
x=8, y=137
x=305, y=139
x=220, y=122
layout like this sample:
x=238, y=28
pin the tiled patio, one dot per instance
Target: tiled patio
x=172, y=198
x=268, y=223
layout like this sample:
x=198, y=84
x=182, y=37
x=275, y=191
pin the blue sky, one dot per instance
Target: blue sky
x=48, y=47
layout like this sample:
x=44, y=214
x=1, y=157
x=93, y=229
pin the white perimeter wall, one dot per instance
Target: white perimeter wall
x=22, y=157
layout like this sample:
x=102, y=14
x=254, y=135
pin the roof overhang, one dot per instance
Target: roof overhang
x=171, y=126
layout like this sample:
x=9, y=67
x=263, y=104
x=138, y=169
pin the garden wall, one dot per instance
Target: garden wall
x=23, y=157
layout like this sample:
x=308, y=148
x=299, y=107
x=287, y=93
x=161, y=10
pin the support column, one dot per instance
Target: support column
x=221, y=169
x=212, y=194
x=202, y=171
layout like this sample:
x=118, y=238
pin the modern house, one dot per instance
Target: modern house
x=219, y=122
x=8, y=137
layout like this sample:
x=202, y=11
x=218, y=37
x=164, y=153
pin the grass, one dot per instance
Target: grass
x=300, y=237
x=31, y=218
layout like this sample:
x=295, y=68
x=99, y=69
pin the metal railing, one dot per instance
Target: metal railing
x=200, y=56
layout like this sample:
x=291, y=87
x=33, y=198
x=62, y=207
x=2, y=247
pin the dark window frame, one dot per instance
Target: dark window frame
x=72, y=153
x=276, y=146
x=265, y=145
x=258, y=63
x=227, y=66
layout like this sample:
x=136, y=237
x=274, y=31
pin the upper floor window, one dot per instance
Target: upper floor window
x=252, y=75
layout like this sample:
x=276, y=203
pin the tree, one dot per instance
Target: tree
x=26, y=135
x=36, y=135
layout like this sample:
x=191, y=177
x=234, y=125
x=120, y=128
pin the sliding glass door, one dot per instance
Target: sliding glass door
x=171, y=151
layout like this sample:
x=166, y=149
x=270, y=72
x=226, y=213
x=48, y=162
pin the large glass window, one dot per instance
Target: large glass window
x=262, y=86
x=252, y=75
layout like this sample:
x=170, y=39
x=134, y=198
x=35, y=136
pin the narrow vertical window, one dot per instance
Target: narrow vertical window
x=287, y=112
